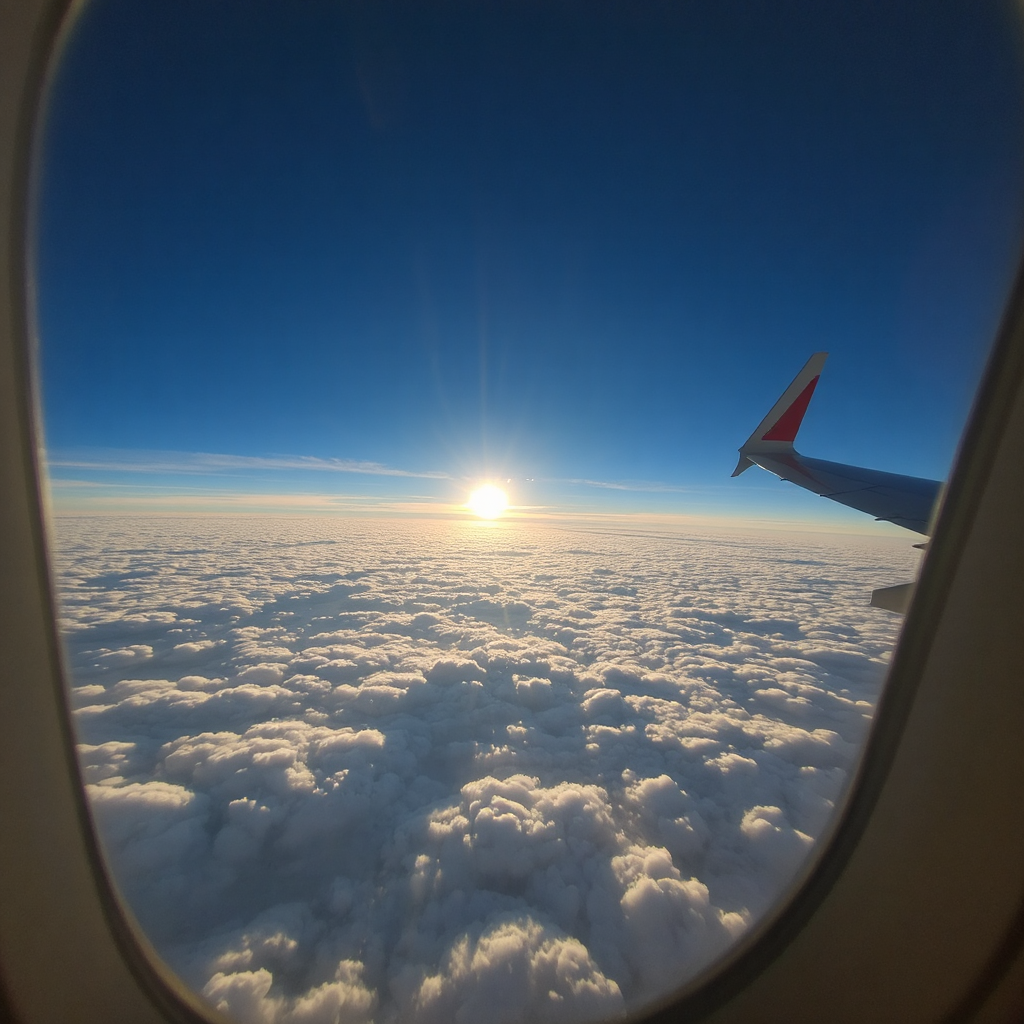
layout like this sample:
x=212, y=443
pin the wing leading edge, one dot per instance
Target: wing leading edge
x=907, y=501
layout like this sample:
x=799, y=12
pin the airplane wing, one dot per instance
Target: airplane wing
x=907, y=501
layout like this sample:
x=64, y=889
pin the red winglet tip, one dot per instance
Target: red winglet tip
x=787, y=425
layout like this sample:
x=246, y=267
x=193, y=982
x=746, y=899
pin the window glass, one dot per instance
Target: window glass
x=425, y=662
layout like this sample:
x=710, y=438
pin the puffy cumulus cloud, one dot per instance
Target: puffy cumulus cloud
x=123, y=656
x=376, y=770
x=567, y=855
x=156, y=835
x=516, y=969
x=246, y=995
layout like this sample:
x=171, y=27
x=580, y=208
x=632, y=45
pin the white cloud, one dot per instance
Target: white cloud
x=140, y=461
x=356, y=770
x=516, y=970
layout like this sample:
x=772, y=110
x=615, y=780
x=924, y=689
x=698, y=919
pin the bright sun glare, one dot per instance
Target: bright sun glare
x=488, y=501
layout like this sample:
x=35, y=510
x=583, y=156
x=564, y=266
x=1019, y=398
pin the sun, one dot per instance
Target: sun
x=488, y=501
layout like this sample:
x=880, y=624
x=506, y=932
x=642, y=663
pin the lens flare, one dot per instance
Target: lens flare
x=488, y=501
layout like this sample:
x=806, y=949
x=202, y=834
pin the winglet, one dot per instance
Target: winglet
x=778, y=430
x=743, y=465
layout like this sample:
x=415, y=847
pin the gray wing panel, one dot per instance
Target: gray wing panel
x=907, y=501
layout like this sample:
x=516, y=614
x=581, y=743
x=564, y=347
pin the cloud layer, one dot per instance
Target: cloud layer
x=374, y=770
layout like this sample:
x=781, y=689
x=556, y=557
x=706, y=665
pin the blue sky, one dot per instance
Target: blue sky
x=369, y=253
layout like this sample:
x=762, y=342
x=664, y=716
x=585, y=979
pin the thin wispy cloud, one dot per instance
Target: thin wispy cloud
x=643, y=486
x=148, y=461
x=124, y=460
x=127, y=460
x=85, y=497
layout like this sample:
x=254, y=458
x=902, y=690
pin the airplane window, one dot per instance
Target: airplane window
x=425, y=662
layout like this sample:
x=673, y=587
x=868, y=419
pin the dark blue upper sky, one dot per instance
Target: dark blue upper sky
x=572, y=240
